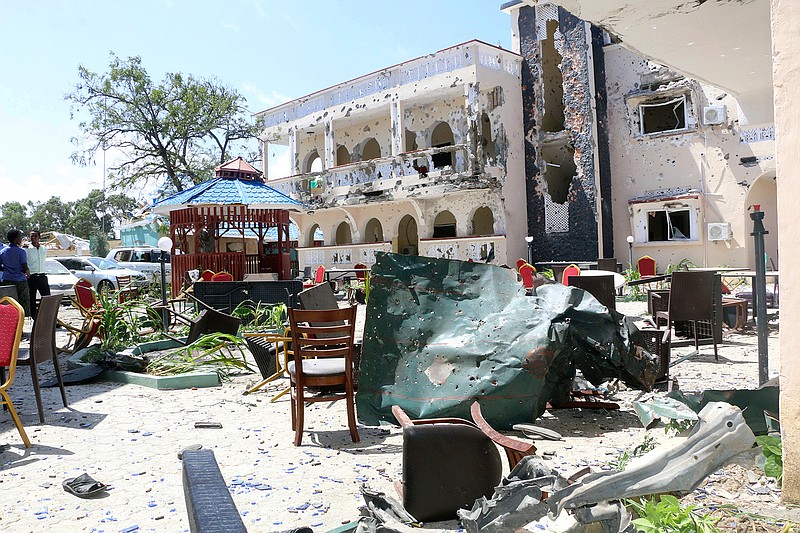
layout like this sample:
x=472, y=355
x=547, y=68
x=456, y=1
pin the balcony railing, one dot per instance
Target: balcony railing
x=413, y=170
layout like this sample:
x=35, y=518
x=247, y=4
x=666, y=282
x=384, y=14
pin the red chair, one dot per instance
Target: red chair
x=12, y=317
x=85, y=301
x=222, y=276
x=319, y=277
x=207, y=275
x=527, y=271
x=571, y=270
x=361, y=276
x=520, y=262
x=646, y=266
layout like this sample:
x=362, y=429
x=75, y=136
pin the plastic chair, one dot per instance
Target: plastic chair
x=646, y=266
x=222, y=276
x=601, y=287
x=322, y=342
x=12, y=318
x=43, y=348
x=691, y=297
x=571, y=270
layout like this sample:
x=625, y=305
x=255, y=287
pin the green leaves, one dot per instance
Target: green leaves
x=667, y=515
x=771, y=458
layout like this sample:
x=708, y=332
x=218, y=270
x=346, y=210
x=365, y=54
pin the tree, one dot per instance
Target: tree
x=51, y=215
x=12, y=216
x=178, y=129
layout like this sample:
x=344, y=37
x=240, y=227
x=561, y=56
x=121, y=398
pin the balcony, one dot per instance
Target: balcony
x=406, y=175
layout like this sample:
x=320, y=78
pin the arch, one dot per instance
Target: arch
x=441, y=136
x=373, y=232
x=489, y=152
x=483, y=221
x=342, y=155
x=313, y=162
x=343, y=233
x=444, y=225
x=370, y=149
x=314, y=236
x=764, y=192
x=407, y=236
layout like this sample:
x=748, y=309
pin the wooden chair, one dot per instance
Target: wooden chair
x=571, y=270
x=322, y=342
x=43, y=348
x=691, y=297
x=601, y=287
x=85, y=301
x=12, y=318
x=515, y=449
x=608, y=263
x=126, y=290
x=646, y=266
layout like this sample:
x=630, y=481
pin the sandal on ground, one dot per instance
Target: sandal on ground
x=83, y=486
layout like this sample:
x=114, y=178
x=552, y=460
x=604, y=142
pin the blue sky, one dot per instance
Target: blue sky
x=269, y=51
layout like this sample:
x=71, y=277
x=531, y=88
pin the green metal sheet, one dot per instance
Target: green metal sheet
x=440, y=333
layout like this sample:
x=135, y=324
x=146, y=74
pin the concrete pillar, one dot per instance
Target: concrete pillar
x=474, y=127
x=265, y=159
x=785, y=21
x=330, y=146
x=398, y=128
x=294, y=160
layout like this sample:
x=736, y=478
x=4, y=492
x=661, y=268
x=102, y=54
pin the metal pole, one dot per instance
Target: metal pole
x=630, y=255
x=760, y=295
x=164, y=311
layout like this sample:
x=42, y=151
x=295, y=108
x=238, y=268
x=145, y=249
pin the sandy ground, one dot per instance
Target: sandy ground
x=128, y=436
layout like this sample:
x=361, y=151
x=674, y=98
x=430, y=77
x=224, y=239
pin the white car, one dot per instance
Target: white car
x=60, y=279
x=146, y=259
x=102, y=273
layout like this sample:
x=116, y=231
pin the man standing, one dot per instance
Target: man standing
x=15, y=268
x=37, y=281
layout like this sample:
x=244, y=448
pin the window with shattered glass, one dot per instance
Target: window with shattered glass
x=669, y=225
x=663, y=115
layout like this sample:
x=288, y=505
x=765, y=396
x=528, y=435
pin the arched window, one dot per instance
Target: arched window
x=483, y=221
x=407, y=236
x=444, y=225
x=314, y=236
x=313, y=163
x=342, y=155
x=374, y=231
x=442, y=136
x=371, y=150
x=343, y=235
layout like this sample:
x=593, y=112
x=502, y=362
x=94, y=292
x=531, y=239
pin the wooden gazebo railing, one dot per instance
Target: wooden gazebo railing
x=196, y=231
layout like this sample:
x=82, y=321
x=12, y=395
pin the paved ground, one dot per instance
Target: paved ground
x=128, y=436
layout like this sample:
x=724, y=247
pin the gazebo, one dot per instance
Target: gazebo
x=222, y=225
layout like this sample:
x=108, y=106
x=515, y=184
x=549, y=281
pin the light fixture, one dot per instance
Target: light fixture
x=529, y=240
x=630, y=251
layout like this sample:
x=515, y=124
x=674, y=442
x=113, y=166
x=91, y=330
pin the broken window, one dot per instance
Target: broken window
x=342, y=155
x=444, y=225
x=411, y=141
x=663, y=115
x=441, y=137
x=669, y=225
x=552, y=80
x=373, y=231
x=343, y=235
x=489, y=154
x=483, y=221
x=372, y=150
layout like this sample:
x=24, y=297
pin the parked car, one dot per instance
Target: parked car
x=144, y=259
x=60, y=279
x=102, y=272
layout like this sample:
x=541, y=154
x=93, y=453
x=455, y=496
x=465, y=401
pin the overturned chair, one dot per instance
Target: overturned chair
x=448, y=463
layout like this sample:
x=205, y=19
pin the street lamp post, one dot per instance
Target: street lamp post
x=630, y=251
x=165, y=245
x=529, y=240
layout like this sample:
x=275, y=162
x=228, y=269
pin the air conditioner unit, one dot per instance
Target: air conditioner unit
x=714, y=114
x=719, y=231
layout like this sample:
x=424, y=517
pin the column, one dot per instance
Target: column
x=329, y=158
x=398, y=128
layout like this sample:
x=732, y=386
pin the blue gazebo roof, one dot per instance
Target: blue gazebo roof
x=225, y=191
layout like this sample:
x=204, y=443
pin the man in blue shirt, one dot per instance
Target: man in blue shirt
x=14, y=261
